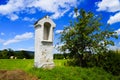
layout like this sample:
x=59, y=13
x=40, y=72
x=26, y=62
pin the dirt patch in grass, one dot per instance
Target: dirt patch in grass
x=15, y=75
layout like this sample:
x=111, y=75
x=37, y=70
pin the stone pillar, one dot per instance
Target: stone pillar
x=44, y=43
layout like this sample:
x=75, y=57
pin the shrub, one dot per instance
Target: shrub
x=110, y=62
x=58, y=56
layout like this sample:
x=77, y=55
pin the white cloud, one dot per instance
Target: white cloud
x=114, y=19
x=118, y=31
x=2, y=33
x=1, y=40
x=114, y=47
x=57, y=47
x=18, y=38
x=13, y=17
x=26, y=49
x=30, y=10
x=73, y=14
x=57, y=7
x=108, y=5
x=29, y=19
x=31, y=25
x=58, y=31
x=11, y=8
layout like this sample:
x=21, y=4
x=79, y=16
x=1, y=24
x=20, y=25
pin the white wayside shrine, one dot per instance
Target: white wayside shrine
x=44, y=43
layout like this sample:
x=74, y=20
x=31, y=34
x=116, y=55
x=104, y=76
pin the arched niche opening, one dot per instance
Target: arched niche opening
x=47, y=27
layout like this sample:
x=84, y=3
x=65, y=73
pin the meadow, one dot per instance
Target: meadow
x=60, y=72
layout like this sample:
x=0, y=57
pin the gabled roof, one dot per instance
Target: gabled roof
x=39, y=20
x=44, y=19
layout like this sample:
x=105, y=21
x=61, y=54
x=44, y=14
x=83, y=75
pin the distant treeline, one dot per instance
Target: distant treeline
x=9, y=53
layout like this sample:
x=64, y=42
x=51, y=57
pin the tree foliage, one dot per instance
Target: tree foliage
x=7, y=53
x=86, y=35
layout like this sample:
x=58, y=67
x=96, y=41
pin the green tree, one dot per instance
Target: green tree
x=23, y=54
x=4, y=54
x=85, y=36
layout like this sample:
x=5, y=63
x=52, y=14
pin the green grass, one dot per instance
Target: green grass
x=60, y=72
x=11, y=64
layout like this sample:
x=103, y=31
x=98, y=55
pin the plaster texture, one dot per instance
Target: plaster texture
x=44, y=43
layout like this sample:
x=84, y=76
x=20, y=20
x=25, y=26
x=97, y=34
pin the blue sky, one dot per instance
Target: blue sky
x=18, y=16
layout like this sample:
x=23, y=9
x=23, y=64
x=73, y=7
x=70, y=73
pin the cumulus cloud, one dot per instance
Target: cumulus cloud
x=118, y=31
x=18, y=38
x=2, y=33
x=56, y=7
x=11, y=8
x=114, y=47
x=26, y=49
x=58, y=31
x=108, y=5
x=29, y=19
x=13, y=17
x=1, y=40
x=31, y=25
x=73, y=14
x=114, y=19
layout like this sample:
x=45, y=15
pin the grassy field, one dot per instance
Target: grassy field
x=60, y=72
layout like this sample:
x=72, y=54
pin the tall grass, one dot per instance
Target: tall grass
x=26, y=64
x=11, y=64
x=60, y=72
x=72, y=73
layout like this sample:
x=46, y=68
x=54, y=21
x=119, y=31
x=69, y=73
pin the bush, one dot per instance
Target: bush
x=58, y=56
x=111, y=62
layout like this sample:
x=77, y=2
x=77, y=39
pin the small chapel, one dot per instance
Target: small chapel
x=43, y=57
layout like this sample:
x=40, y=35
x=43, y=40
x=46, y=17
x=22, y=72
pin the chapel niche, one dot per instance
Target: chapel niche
x=47, y=27
x=44, y=33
